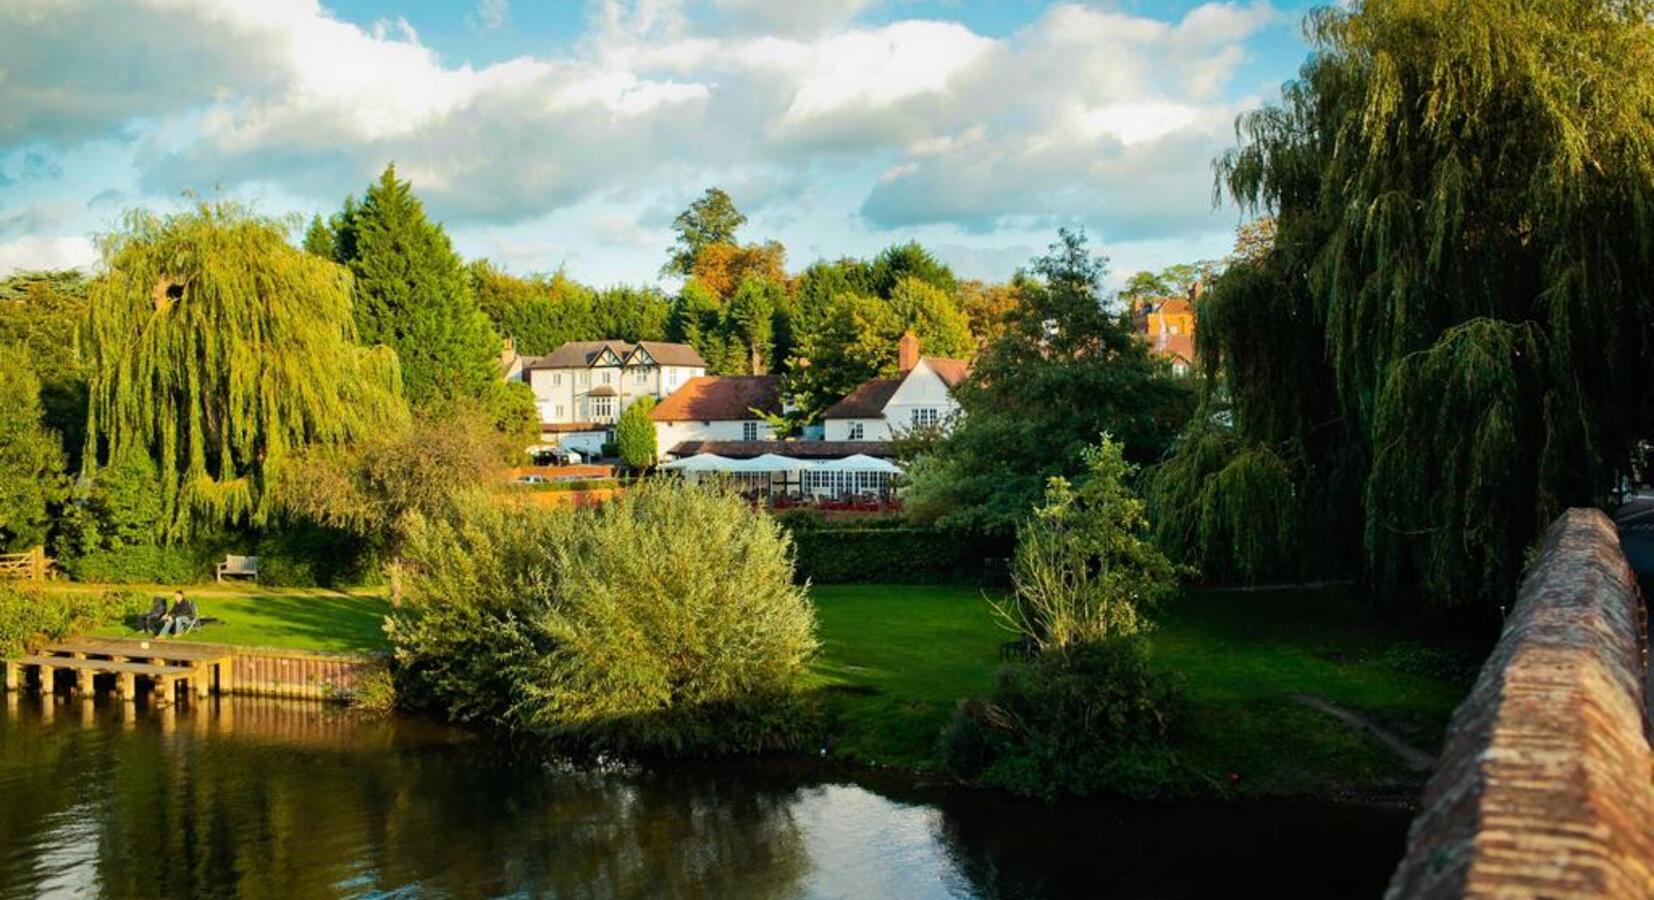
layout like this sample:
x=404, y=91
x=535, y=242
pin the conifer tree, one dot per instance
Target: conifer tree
x=412, y=294
x=635, y=433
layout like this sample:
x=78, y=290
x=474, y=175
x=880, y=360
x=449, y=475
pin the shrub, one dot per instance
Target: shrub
x=1090, y=720
x=142, y=563
x=892, y=555
x=30, y=617
x=664, y=621
x=304, y=555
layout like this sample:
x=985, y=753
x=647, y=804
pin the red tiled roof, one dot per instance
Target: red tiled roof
x=721, y=398
x=951, y=371
x=1178, y=345
x=865, y=402
x=794, y=449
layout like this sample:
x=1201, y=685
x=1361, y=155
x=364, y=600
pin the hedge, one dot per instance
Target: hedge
x=897, y=555
x=140, y=564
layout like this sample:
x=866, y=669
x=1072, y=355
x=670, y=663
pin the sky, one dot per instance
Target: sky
x=549, y=134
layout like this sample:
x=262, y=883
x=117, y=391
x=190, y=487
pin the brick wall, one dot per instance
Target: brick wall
x=1545, y=786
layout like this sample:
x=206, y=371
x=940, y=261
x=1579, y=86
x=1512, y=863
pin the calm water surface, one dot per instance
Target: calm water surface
x=243, y=798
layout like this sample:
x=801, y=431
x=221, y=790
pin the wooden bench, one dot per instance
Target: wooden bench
x=238, y=567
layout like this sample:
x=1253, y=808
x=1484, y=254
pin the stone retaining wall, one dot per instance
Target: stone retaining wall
x=1545, y=787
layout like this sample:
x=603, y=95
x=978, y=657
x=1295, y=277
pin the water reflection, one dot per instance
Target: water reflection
x=280, y=799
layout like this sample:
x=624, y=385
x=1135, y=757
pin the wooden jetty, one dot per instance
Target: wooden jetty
x=127, y=665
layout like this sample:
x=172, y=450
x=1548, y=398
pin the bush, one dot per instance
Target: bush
x=893, y=555
x=1091, y=720
x=30, y=617
x=142, y=563
x=315, y=556
x=664, y=621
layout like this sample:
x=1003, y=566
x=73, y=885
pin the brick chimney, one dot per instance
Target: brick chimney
x=907, y=352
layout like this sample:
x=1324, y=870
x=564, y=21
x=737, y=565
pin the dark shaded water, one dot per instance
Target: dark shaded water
x=264, y=799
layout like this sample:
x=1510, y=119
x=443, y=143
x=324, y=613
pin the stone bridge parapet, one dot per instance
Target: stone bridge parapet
x=1545, y=786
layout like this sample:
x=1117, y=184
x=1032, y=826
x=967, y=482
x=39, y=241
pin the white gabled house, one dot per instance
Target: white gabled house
x=886, y=408
x=581, y=387
x=718, y=408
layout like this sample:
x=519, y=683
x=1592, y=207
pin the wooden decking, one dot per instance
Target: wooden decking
x=127, y=665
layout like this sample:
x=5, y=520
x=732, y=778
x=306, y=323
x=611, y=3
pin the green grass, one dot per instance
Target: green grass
x=896, y=659
x=296, y=618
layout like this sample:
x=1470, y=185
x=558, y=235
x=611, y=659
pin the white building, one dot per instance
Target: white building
x=581, y=387
x=718, y=408
x=886, y=408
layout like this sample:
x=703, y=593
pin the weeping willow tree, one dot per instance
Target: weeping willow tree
x=219, y=350
x=1446, y=341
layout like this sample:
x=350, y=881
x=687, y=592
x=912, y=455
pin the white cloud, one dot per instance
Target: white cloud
x=37, y=251
x=1083, y=114
x=491, y=15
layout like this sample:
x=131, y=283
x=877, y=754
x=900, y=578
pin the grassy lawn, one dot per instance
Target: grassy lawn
x=896, y=659
x=299, y=618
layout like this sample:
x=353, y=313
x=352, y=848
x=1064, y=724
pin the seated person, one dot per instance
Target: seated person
x=151, y=621
x=181, y=618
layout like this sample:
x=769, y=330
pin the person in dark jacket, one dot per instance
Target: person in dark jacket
x=156, y=617
x=181, y=618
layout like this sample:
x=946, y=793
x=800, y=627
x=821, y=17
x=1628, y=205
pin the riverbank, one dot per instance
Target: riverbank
x=896, y=659
x=1258, y=669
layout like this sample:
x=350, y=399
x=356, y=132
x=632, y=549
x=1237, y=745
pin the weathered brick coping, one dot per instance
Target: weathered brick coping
x=1545, y=787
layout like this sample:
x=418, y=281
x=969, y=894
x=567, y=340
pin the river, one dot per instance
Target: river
x=248, y=798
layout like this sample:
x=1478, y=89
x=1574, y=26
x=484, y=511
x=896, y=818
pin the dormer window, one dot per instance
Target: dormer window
x=855, y=431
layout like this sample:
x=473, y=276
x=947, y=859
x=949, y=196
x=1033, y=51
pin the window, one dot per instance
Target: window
x=671, y=376
x=602, y=407
x=559, y=412
x=584, y=378
x=557, y=379
x=642, y=376
x=855, y=431
x=924, y=417
x=749, y=431
x=606, y=374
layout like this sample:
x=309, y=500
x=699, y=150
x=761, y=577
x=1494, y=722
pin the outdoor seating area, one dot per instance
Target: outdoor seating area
x=855, y=478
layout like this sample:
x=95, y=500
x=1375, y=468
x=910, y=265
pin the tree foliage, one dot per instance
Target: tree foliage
x=635, y=434
x=1085, y=569
x=42, y=313
x=710, y=219
x=1066, y=370
x=1442, y=338
x=412, y=295
x=666, y=620
x=31, y=457
x=219, y=350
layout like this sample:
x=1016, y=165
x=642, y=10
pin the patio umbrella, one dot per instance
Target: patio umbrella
x=770, y=462
x=859, y=462
x=702, y=462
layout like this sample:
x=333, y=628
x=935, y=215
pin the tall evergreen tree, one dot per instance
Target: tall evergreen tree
x=412, y=294
x=219, y=349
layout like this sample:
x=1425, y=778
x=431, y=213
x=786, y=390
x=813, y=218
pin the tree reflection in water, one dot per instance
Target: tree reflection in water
x=282, y=800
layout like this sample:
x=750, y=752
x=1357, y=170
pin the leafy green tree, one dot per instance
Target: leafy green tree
x=412, y=295
x=42, y=312
x=31, y=457
x=933, y=316
x=1066, y=370
x=1439, y=341
x=710, y=219
x=629, y=314
x=854, y=341
x=635, y=433
x=750, y=321
x=219, y=350
x=319, y=239
x=910, y=260
x=116, y=506
x=1086, y=569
